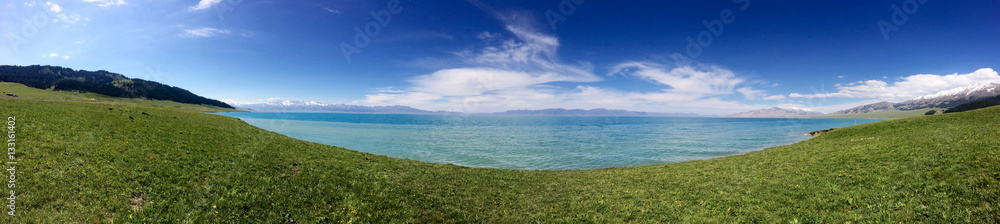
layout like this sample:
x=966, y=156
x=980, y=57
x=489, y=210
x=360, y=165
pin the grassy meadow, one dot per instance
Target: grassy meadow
x=95, y=162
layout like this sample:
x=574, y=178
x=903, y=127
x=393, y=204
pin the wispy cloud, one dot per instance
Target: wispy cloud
x=61, y=15
x=204, y=32
x=205, y=4
x=106, y=3
x=707, y=80
x=328, y=9
x=908, y=87
x=775, y=97
x=388, y=89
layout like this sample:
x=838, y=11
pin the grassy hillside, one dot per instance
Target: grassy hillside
x=91, y=162
x=100, y=82
x=27, y=92
x=989, y=102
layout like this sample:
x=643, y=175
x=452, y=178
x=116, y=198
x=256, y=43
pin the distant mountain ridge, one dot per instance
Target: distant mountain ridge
x=777, y=112
x=943, y=99
x=592, y=112
x=313, y=106
x=100, y=82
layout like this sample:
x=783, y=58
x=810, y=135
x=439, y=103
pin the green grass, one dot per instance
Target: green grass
x=889, y=114
x=83, y=162
x=24, y=91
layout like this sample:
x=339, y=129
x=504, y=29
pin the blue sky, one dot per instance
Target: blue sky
x=485, y=56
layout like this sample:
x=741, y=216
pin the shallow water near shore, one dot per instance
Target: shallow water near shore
x=542, y=143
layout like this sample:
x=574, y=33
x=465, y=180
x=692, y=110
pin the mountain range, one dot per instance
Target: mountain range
x=944, y=99
x=593, y=112
x=313, y=106
x=962, y=98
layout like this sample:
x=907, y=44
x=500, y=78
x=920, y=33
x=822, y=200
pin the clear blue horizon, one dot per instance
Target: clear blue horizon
x=706, y=57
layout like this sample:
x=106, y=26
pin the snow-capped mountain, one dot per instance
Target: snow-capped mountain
x=943, y=99
x=313, y=106
x=778, y=112
x=953, y=97
x=964, y=91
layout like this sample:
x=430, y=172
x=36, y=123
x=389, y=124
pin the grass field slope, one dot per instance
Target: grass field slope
x=95, y=162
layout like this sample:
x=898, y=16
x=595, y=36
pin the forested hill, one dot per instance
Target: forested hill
x=101, y=82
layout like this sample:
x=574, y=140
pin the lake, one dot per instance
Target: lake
x=541, y=142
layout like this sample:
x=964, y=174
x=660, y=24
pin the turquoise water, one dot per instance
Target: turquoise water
x=542, y=143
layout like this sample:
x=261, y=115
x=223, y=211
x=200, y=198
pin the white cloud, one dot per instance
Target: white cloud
x=205, y=4
x=708, y=80
x=62, y=16
x=56, y=55
x=54, y=7
x=698, y=80
x=476, y=81
x=908, y=87
x=106, y=3
x=775, y=97
x=204, y=32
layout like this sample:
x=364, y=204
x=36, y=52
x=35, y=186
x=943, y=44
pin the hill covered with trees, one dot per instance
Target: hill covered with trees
x=100, y=82
x=988, y=102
